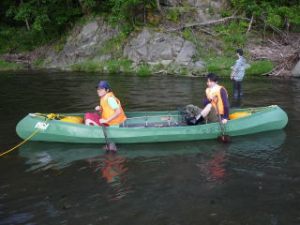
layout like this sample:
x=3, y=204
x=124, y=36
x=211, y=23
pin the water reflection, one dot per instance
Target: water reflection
x=43, y=156
x=112, y=168
x=214, y=169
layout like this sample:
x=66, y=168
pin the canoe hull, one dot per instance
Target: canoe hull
x=272, y=118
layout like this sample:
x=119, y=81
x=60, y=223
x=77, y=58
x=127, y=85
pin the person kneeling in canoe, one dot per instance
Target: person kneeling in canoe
x=110, y=108
x=216, y=101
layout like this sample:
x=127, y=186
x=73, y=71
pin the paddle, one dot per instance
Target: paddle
x=223, y=138
x=110, y=146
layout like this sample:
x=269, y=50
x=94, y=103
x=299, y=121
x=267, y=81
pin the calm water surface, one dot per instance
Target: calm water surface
x=253, y=180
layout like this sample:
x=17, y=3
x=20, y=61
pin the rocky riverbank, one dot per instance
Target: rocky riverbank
x=186, y=47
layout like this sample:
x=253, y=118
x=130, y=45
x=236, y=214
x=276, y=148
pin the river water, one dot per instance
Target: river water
x=253, y=180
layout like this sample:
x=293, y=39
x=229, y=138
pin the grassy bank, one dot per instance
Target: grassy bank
x=6, y=66
x=218, y=65
x=222, y=66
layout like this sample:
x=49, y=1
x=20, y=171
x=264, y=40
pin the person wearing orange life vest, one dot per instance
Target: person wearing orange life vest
x=110, y=106
x=216, y=100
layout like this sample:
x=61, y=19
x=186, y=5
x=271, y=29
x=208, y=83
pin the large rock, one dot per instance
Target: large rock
x=156, y=47
x=186, y=53
x=296, y=70
x=84, y=43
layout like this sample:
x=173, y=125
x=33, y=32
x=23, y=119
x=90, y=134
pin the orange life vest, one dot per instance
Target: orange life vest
x=107, y=111
x=214, y=94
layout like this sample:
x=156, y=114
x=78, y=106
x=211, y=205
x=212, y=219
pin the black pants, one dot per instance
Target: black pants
x=237, y=89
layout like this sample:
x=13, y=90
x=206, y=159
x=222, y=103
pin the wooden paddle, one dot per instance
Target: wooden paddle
x=223, y=138
x=110, y=146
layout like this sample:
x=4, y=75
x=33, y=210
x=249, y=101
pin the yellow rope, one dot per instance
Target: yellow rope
x=23, y=142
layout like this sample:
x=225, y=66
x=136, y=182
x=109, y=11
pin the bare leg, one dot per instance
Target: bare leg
x=206, y=110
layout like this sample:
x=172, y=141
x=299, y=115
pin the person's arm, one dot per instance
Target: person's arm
x=206, y=101
x=225, y=104
x=98, y=108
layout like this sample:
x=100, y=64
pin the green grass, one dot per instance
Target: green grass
x=87, y=66
x=114, y=46
x=38, y=63
x=220, y=65
x=259, y=68
x=109, y=66
x=144, y=70
x=5, y=66
x=233, y=35
x=173, y=14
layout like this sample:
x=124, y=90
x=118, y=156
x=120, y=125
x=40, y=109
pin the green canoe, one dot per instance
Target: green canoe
x=150, y=127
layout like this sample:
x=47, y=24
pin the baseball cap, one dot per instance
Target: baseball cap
x=103, y=85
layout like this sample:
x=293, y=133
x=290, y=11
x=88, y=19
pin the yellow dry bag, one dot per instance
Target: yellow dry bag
x=237, y=115
x=72, y=119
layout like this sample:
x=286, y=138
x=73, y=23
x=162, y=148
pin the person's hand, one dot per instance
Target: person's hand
x=102, y=121
x=97, y=108
x=224, y=121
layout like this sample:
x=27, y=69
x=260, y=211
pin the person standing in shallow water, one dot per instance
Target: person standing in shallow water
x=238, y=73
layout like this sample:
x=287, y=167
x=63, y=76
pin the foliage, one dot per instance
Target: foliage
x=173, y=14
x=114, y=45
x=88, y=66
x=38, y=63
x=233, y=34
x=278, y=13
x=109, y=66
x=129, y=13
x=220, y=65
x=19, y=39
x=9, y=66
x=46, y=16
x=43, y=21
x=27, y=24
x=260, y=67
x=143, y=70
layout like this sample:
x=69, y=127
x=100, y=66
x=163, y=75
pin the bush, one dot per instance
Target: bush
x=233, y=35
x=5, y=66
x=173, y=14
x=109, y=66
x=143, y=70
x=220, y=65
x=88, y=66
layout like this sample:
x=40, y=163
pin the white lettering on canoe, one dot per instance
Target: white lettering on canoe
x=41, y=125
